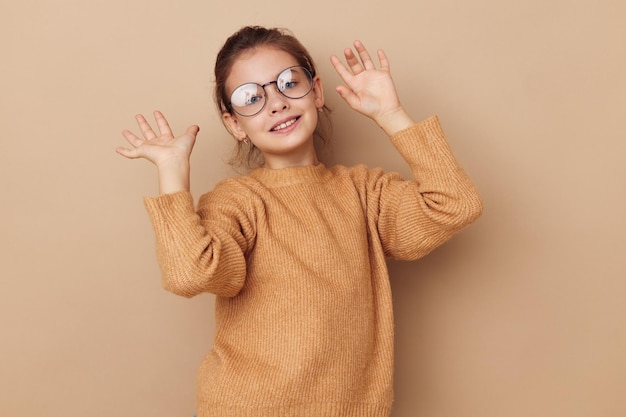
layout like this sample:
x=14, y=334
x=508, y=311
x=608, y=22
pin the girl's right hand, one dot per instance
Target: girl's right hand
x=163, y=149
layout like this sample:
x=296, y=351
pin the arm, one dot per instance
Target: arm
x=197, y=251
x=170, y=154
x=200, y=251
x=414, y=217
x=410, y=217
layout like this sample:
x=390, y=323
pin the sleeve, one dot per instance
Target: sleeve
x=413, y=217
x=204, y=250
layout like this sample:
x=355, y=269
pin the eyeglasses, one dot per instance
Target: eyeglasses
x=250, y=98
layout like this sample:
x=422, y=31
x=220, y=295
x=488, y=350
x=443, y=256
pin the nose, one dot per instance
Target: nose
x=275, y=100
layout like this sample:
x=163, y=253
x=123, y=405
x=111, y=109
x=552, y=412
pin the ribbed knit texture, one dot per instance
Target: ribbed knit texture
x=296, y=257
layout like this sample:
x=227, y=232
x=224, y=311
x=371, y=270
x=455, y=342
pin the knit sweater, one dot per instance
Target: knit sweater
x=297, y=260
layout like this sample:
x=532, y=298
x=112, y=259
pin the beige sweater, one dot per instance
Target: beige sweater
x=296, y=257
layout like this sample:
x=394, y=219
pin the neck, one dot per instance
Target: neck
x=306, y=157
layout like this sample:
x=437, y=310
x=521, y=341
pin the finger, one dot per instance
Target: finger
x=132, y=138
x=127, y=153
x=164, y=126
x=382, y=58
x=355, y=65
x=192, y=131
x=348, y=96
x=145, y=128
x=341, y=69
x=364, y=55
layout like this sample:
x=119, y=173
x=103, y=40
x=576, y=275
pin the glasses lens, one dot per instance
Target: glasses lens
x=248, y=99
x=294, y=82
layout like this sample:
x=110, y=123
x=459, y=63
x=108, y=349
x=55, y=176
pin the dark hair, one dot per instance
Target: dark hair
x=246, y=39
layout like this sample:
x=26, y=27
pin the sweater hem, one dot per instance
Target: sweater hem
x=303, y=410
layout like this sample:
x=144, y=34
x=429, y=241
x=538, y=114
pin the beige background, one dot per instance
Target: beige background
x=522, y=314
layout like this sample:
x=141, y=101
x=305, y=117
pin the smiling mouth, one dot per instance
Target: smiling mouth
x=285, y=124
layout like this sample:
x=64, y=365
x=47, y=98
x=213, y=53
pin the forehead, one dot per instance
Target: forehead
x=259, y=65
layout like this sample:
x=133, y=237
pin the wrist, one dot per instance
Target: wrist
x=394, y=121
x=173, y=177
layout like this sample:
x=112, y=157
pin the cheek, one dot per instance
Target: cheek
x=252, y=126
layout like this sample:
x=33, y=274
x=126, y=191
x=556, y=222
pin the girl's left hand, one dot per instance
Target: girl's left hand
x=368, y=90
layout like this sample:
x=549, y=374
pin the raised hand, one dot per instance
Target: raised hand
x=170, y=154
x=370, y=90
x=158, y=148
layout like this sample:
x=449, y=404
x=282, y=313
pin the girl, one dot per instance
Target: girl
x=295, y=250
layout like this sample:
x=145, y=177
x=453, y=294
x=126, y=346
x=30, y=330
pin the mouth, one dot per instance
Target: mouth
x=284, y=125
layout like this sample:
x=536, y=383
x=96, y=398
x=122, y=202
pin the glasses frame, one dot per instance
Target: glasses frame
x=307, y=72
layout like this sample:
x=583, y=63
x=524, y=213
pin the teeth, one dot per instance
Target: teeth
x=284, y=125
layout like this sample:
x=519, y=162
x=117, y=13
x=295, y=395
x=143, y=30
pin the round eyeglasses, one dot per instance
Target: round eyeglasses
x=250, y=98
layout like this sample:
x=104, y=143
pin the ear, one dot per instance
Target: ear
x=318, y=92
x=233, y=126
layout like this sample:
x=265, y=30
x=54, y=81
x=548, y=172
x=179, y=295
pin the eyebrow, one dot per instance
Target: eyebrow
x=266, y=82
x=275, y=76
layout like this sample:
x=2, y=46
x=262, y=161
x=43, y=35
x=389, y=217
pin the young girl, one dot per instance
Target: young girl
x=295, y=250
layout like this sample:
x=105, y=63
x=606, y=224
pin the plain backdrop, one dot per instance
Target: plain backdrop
x=521, y=314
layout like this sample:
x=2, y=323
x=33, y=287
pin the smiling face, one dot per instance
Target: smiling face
x=283, y=129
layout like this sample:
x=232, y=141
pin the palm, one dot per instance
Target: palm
x=373, y=93
x=159, y=148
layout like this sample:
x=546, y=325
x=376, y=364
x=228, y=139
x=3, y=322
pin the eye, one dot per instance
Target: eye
x=247, y=95
x=252, y=100
x=294, y=82
x=288, y=79
x=289, y=84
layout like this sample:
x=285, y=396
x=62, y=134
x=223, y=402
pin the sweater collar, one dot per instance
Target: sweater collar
x=290, y=175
